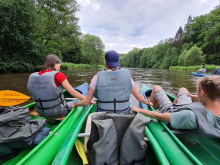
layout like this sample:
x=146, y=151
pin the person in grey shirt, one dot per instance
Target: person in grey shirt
x=181, y=114
x=202, y=70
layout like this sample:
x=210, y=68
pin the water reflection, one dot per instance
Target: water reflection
x=170, y=80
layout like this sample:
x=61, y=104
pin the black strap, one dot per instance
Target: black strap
x=112, y=101
x=114, y=105
x=47, y=100
x=43, y=108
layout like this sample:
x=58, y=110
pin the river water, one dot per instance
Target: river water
x=170, y=80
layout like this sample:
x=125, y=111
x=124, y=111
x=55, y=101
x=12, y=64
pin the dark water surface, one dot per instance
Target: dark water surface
x=170, y=80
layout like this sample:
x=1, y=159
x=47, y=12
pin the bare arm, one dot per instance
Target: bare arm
x=156, y=115
x=87, y=100
x=194, y=97
x=139, y=97
x=66, y=85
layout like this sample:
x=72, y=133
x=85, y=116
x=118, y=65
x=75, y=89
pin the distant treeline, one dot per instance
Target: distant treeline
x=197, y=43
x=209, y=68
x=32, y=29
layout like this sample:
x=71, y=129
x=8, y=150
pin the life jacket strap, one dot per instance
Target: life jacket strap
x=114, y=102
x=43, y=108
x=48, y=100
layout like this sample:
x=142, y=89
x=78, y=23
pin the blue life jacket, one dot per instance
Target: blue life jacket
x=48, y=97
x=113, y=90
x=217, y=72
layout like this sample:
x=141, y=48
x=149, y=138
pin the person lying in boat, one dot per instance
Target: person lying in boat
x=112, y=87
x=202, y=70
x=202, y=116
x=46, y=87
x=216, y=71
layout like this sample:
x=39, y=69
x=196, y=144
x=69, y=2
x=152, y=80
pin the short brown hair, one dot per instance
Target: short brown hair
x=211, y=86
x=50, y=62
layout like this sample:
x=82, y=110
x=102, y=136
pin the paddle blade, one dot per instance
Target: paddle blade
x=9, y=98
x=81, y=151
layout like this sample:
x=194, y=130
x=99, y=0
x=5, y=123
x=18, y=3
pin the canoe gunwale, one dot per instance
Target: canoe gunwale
x=178, y=142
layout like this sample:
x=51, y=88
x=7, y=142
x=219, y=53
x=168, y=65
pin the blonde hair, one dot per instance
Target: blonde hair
x=211, y=86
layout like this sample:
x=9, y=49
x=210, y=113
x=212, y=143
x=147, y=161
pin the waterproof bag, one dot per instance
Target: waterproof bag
x=117, y=139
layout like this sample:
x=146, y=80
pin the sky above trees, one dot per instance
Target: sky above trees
x=122, y=25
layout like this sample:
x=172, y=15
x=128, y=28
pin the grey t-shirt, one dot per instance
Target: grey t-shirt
x=186, y=119
x=202, y=70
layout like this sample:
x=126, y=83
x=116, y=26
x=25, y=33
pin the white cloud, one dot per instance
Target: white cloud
x=122, y=25
x=96, y=6
x=121, y=39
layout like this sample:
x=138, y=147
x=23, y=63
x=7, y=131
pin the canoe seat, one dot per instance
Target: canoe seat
x=49, y=119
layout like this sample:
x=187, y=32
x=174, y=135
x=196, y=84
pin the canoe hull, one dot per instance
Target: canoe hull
x=199, y=74
x=44, y=152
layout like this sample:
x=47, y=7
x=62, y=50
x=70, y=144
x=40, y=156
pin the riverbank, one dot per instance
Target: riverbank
x=209, y=68
x=69, y=66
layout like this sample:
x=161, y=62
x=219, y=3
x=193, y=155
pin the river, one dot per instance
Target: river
x=170, y=80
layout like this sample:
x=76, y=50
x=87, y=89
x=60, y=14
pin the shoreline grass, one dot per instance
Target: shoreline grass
x=209, y=68
x=69, y=66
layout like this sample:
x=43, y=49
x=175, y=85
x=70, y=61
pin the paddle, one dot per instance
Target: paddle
x=80, y=149
x=9, y=98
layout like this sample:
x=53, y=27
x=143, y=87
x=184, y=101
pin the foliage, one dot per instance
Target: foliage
x=182, y=58
x=92, y=50
x=19, y=49
x=193, y=57
x=68, y=66
x=30, y=30
x=57, y=28
x=209, y=68
x=211, y=44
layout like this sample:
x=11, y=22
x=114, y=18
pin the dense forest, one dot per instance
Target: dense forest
x=32, y=29
x=198, y=43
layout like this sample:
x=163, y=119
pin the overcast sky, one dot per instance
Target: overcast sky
x=124, y=24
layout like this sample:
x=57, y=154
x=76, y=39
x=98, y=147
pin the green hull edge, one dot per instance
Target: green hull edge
x=47, y=149
x=63, y=155
x=183, y=148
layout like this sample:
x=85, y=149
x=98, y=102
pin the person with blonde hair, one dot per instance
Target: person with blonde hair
x=201, y=117
x=47, y=86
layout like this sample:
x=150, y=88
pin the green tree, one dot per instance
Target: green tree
x=19, y=48
x=178, y=38
x=174, y=57
x=92, y=50
x=187, y=46
x=182, y=58
x=194, y=57
x=167, y=60
x=57, y=29
x=211, y=45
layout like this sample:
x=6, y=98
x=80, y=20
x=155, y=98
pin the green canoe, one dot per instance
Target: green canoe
x=179, y=148
x=165, y=147
x=68, y=154
x=44, y=152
